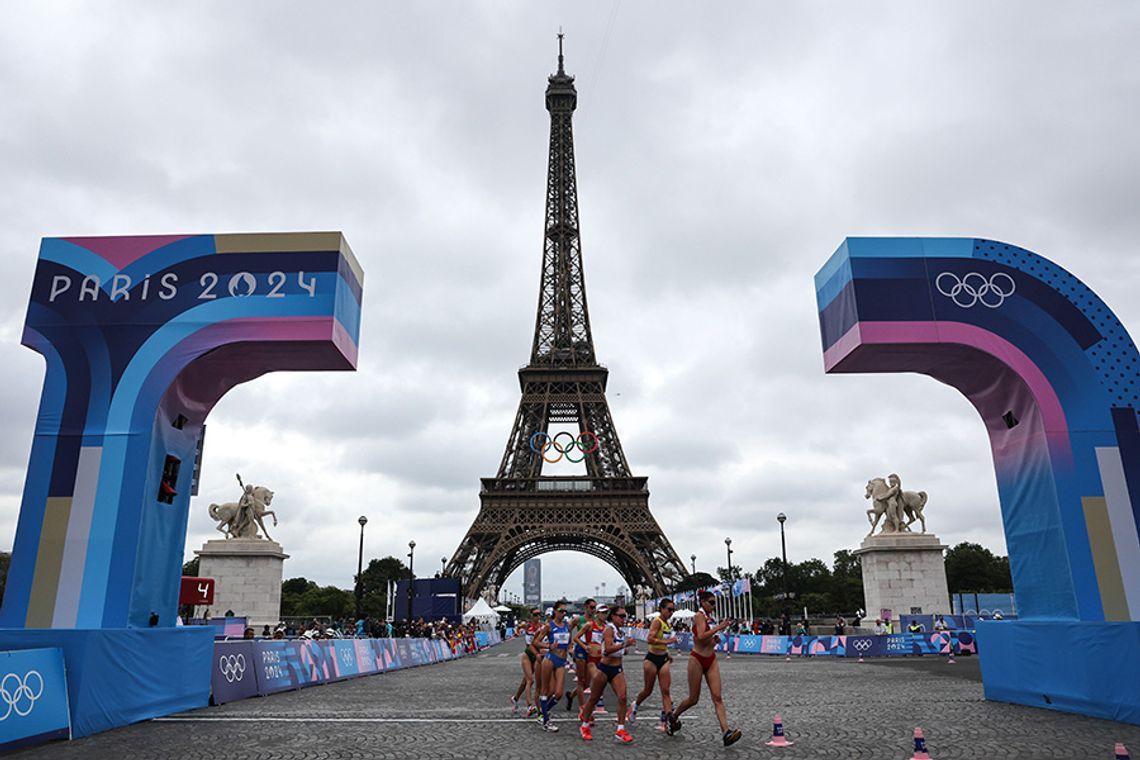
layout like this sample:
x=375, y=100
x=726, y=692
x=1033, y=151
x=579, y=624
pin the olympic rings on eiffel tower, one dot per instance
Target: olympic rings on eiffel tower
x=563, y=449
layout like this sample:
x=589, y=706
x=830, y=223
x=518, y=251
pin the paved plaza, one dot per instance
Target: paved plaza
x=831, y=709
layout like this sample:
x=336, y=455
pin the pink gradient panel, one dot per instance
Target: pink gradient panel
x=120, y=252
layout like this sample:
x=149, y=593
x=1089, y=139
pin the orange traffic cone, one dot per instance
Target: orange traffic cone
x=778, y=739
x=919, y=746
x=1122, y=751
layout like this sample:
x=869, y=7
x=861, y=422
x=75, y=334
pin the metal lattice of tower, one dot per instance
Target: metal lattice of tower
x=605, y=512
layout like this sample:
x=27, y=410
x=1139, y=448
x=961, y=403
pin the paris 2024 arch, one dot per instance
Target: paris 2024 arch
x=142, y=336
x=1056, y=380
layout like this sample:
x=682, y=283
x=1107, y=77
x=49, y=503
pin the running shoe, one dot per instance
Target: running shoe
x=549, y=726
x=621, y=735
x=663, y=726
x=514, y=706
x=585, y=732
x=538, y=716
x=632, y=711
x=531, y=710
x=731, y=737
x=673, y=726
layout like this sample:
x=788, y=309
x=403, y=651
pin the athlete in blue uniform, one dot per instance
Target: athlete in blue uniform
x=557, y=635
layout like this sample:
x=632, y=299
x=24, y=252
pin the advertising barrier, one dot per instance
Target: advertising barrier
x=33, y=689
x=899, y=644
x=234, y=671
x=277, y=665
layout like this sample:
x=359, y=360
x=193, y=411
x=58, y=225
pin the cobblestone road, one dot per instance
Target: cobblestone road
x=831, y=709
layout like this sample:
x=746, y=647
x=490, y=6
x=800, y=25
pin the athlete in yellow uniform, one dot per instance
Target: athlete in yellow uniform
x=656, y=664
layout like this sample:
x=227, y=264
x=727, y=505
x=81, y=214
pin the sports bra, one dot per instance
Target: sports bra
x=559, y=635
x=619, y=640
x=663, y=633
x=597, y=635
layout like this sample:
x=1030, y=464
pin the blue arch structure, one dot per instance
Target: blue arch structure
x=142, y=336
x=1056, y=380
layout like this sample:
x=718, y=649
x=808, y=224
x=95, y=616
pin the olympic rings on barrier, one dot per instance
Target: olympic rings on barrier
x=232, y=666
x=563, y=449
x=16, y=695
x=974, y=288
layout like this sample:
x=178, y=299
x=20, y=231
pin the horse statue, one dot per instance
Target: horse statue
x=908, y=506
x=242, y=518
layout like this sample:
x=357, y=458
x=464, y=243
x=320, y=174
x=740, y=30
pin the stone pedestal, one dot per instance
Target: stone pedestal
x=247, y=574
x=902, y=571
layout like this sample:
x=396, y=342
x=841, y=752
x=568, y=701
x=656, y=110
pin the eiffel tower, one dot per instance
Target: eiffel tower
x=605, y=512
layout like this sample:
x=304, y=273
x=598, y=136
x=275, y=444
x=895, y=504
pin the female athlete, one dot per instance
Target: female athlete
x=703, y=664
x=610, y=672
x=656, y=664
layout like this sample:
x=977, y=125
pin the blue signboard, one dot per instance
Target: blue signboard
x=33, y=698
x=234, y=674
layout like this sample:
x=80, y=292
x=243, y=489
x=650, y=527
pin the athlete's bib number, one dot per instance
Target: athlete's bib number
x=562, y=639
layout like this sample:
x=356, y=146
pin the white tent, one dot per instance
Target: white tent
x=501, y=608
x=481, y=610
x=683, y=614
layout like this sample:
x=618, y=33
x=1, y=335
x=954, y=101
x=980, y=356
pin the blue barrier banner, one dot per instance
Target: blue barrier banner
x=365, y=656
x=234, y=672
x=774, y=644
x=278, y=666
x=390, y=652
x=405, y=654
x=865, y=646
x=344, y=658
x=318, y=664
x=33, y=688
x=749, y=644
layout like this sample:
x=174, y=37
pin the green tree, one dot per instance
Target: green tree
x=320, y=601
x=695, y=581
x=972, y=567
x=846, y=582
x=374, y=583
x=725, y=576
x=292, y=591
x=190, y=569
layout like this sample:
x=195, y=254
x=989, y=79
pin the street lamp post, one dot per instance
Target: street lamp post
x=412, y=580
x=442, y=565
x=693, y=559
x=360, y=570
x=731, y=600
x=784, y=554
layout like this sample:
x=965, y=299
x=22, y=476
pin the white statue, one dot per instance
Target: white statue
x=899, y=508
x=242, y=518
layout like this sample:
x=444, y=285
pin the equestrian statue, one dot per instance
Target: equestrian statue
x=241, y=519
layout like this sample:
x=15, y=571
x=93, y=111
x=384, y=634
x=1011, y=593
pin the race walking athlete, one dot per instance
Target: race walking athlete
x=557, y=634
x=656, y=664
x=582, y=626
x=610, y=672
x=703, y=664
x=528, y=659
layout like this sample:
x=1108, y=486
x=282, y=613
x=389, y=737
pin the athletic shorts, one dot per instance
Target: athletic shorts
x=610, y=671
x=581, y=654
x=556, y=660
x=530, y=656
x=658, y=660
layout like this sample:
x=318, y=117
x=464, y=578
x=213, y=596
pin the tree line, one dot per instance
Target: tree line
x=811, y=583
x=827, y=590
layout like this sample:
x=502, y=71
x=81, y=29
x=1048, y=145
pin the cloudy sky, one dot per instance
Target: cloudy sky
x=723, y=154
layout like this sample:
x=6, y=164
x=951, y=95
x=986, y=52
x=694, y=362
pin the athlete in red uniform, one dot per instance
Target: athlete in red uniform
x=703, y=664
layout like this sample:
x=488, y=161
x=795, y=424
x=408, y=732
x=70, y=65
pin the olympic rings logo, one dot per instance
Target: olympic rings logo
x=974, y=288
x=20, y=694
x=232, y=666
x=564, y=449
x=861, y=645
